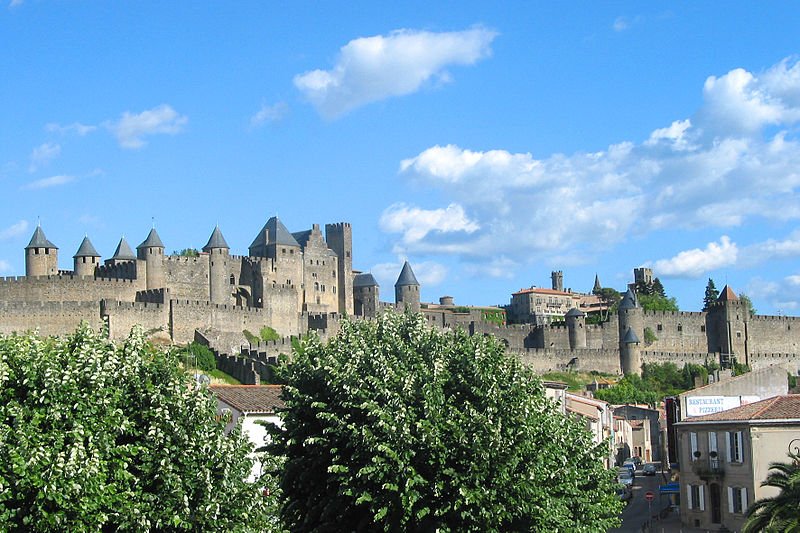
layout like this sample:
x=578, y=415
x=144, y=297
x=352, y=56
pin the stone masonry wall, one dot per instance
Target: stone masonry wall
x=122, y=316
x=49, y=318
x=676, y=331
x=187, y=277
x=65, y=289
x=773, y=334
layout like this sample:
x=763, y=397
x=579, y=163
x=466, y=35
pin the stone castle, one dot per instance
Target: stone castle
x=302, y=281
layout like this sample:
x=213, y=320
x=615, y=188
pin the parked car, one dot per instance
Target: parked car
x=631, y=464
x=625, y=476
x=636, y=461
x=624, y=493
x=650, y=469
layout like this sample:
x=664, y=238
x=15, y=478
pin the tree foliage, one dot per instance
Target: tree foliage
x=198, y=355
x=268, y=334
x=711, y=295
x=780, y=512
x=657, y=381
x=95, y=437
x=187, y=252
x=656, y=302
x=395, y=426
x=748, y=303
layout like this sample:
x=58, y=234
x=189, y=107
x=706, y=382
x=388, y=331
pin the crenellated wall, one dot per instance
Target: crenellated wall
x=676, y=331
x=65, y=289
x=773, y=334
x=187, y=277
x=122, y=316
x=49, y=318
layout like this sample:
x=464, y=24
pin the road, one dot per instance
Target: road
x=636, y=512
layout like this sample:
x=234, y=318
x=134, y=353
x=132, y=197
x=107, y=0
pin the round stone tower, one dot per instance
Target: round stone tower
x=41, y=255
x=366, y=294
x=86, y=259
x=631, y=325
x=218, y=255
x=406, y=289
x=151, y=251
x=576, y=327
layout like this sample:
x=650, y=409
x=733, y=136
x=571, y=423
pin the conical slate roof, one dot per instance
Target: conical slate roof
x=123, y=251
x=406, y=277
x=273, y=232
x=630, y=337
x=597, y=285
x=364, y=280
x=152, y=240
x=727, y=295
x=86, y=249
x=216, y=241
x=38, y=240
x=574, y=312
x=629, y=301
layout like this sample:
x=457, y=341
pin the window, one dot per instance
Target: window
x=696, y=497
x=680, y=328
x=702, y=328
x=693, y=449
x=734, y=439
x=659, y=327
x=737, y=500
x=233, y=280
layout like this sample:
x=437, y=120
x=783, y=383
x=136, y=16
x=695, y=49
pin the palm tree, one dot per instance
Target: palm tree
x=781, y=512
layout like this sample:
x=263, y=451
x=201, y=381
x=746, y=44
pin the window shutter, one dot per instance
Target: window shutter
x=740, y=448
x=712, y=441
x=744, y=499
x=728, y=447
x=702, y=498
x=730, y=500
x=692, y=445
x=689, y=496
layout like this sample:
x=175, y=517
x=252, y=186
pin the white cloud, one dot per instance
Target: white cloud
x=43, y=154
x=369, y=69
x=496, y=267
x=428, y=273
x=14, y=230
x=415, y=223
x=621, y=24
x=5, y=266
x=696, y=262
x=76, y=127
x=52, y=181
x=15, y=3
x=679, y=177
x=131, y=128
x=269, y=113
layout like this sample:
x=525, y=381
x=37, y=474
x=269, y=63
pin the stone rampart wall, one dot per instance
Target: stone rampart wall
x=773, y=334
x=676, y=331
x=49, y=318
x=66, y=289
x=187, y=277
x=122, y=316
x=553, y=360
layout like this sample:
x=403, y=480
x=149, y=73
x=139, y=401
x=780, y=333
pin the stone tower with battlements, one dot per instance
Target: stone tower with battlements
x=557, y=278
x=576, y=327
x=366, y=295
x=41, y=255
x=340, y=240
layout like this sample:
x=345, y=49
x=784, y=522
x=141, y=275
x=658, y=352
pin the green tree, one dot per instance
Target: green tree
x=199, y=355
x=267, y=334
x=748, y=303
x=656, y=302
x=781, y=512
x=711, y=295
x=187, y=252
x=658, y=288
x=95, y=436
x=396, y=426
x=610, y=298
x=629, y=390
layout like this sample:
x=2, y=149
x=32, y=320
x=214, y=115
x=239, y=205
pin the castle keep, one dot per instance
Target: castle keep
x=287, y=281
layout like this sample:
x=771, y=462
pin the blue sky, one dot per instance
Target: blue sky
x=487, y=143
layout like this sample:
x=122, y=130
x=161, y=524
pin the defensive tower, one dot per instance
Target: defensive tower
x=406, y=289
x=557, y=279
x=340, y=239
x=631, y=326
x=41, y=255
x=576, y=326
x=151, y=251
x=365, y=295
x=86, y=259
x=218, y=255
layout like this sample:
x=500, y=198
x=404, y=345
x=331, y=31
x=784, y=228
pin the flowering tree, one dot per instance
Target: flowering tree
x=395, y=426
x=95, y=437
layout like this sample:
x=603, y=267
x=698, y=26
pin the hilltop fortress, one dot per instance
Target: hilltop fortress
x=302, y=281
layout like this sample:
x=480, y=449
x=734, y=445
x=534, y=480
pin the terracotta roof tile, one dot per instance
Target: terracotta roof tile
x=250, y=398
x=775, y=408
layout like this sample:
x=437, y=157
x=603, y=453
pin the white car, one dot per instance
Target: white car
x=625, y=477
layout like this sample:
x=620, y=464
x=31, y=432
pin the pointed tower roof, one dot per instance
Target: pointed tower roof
x=406, y=277
x=216, y=241
x=727, y=295
x=274, y=232
x=629, y=301
x=86, y=249
x=630, y=337
x=597, y=285
x=574, y=312
x=123, y=251
x=38, y=240
x=152, y=240
x=364, y=280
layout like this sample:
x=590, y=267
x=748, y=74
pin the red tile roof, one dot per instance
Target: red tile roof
x=250, y=398
x=727, y=295
x=775, y=408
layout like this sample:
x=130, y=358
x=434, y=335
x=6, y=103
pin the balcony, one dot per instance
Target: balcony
x=708, y=469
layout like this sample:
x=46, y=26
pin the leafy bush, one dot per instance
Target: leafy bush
x=199, y=355
x=252, y=339
x=267, y=334
x=98, y=437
